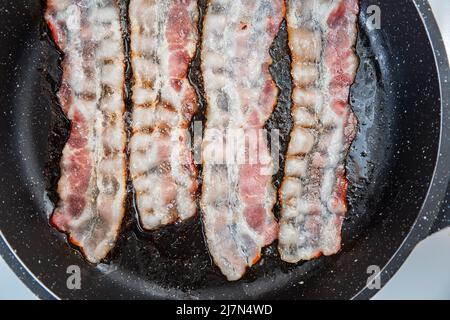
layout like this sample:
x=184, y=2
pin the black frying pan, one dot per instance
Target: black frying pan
x=398, y=167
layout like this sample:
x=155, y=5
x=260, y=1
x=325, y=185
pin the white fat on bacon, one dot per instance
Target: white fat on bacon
x=92, y=188
x=322, y=36
x=163, y=43
x=238, y=196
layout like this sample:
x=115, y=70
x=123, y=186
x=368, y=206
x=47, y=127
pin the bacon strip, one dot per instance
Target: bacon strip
x=238, y=195
x=163, y=43
x=92, y=187
x=322, y=36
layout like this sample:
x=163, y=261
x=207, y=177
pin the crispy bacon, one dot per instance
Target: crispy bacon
x=322, y=36
x=92, y=187
x=238, y=195
x=163, y=43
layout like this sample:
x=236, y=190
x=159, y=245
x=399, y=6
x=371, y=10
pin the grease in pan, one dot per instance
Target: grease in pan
x=237, y=198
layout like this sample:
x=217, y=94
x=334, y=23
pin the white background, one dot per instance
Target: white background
x=425, y=275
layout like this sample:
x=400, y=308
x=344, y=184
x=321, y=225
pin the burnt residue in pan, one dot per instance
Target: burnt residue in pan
x=176, y=257
x=59, y=125
x=131, y=214
x=281, y=119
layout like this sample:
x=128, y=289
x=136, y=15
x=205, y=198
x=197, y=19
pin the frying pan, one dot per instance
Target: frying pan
x=398, y=167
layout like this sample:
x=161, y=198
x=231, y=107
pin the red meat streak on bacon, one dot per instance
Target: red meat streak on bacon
x=336, y=57
x=78, y=163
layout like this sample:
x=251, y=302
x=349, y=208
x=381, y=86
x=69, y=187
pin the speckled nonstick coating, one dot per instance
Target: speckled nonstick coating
x=398, y=168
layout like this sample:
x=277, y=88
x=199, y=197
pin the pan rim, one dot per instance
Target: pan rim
x=415, y=234
x=436, y=191
x=25, y=275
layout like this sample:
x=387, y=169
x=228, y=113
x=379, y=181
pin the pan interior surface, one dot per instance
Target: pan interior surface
x=390, y=166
